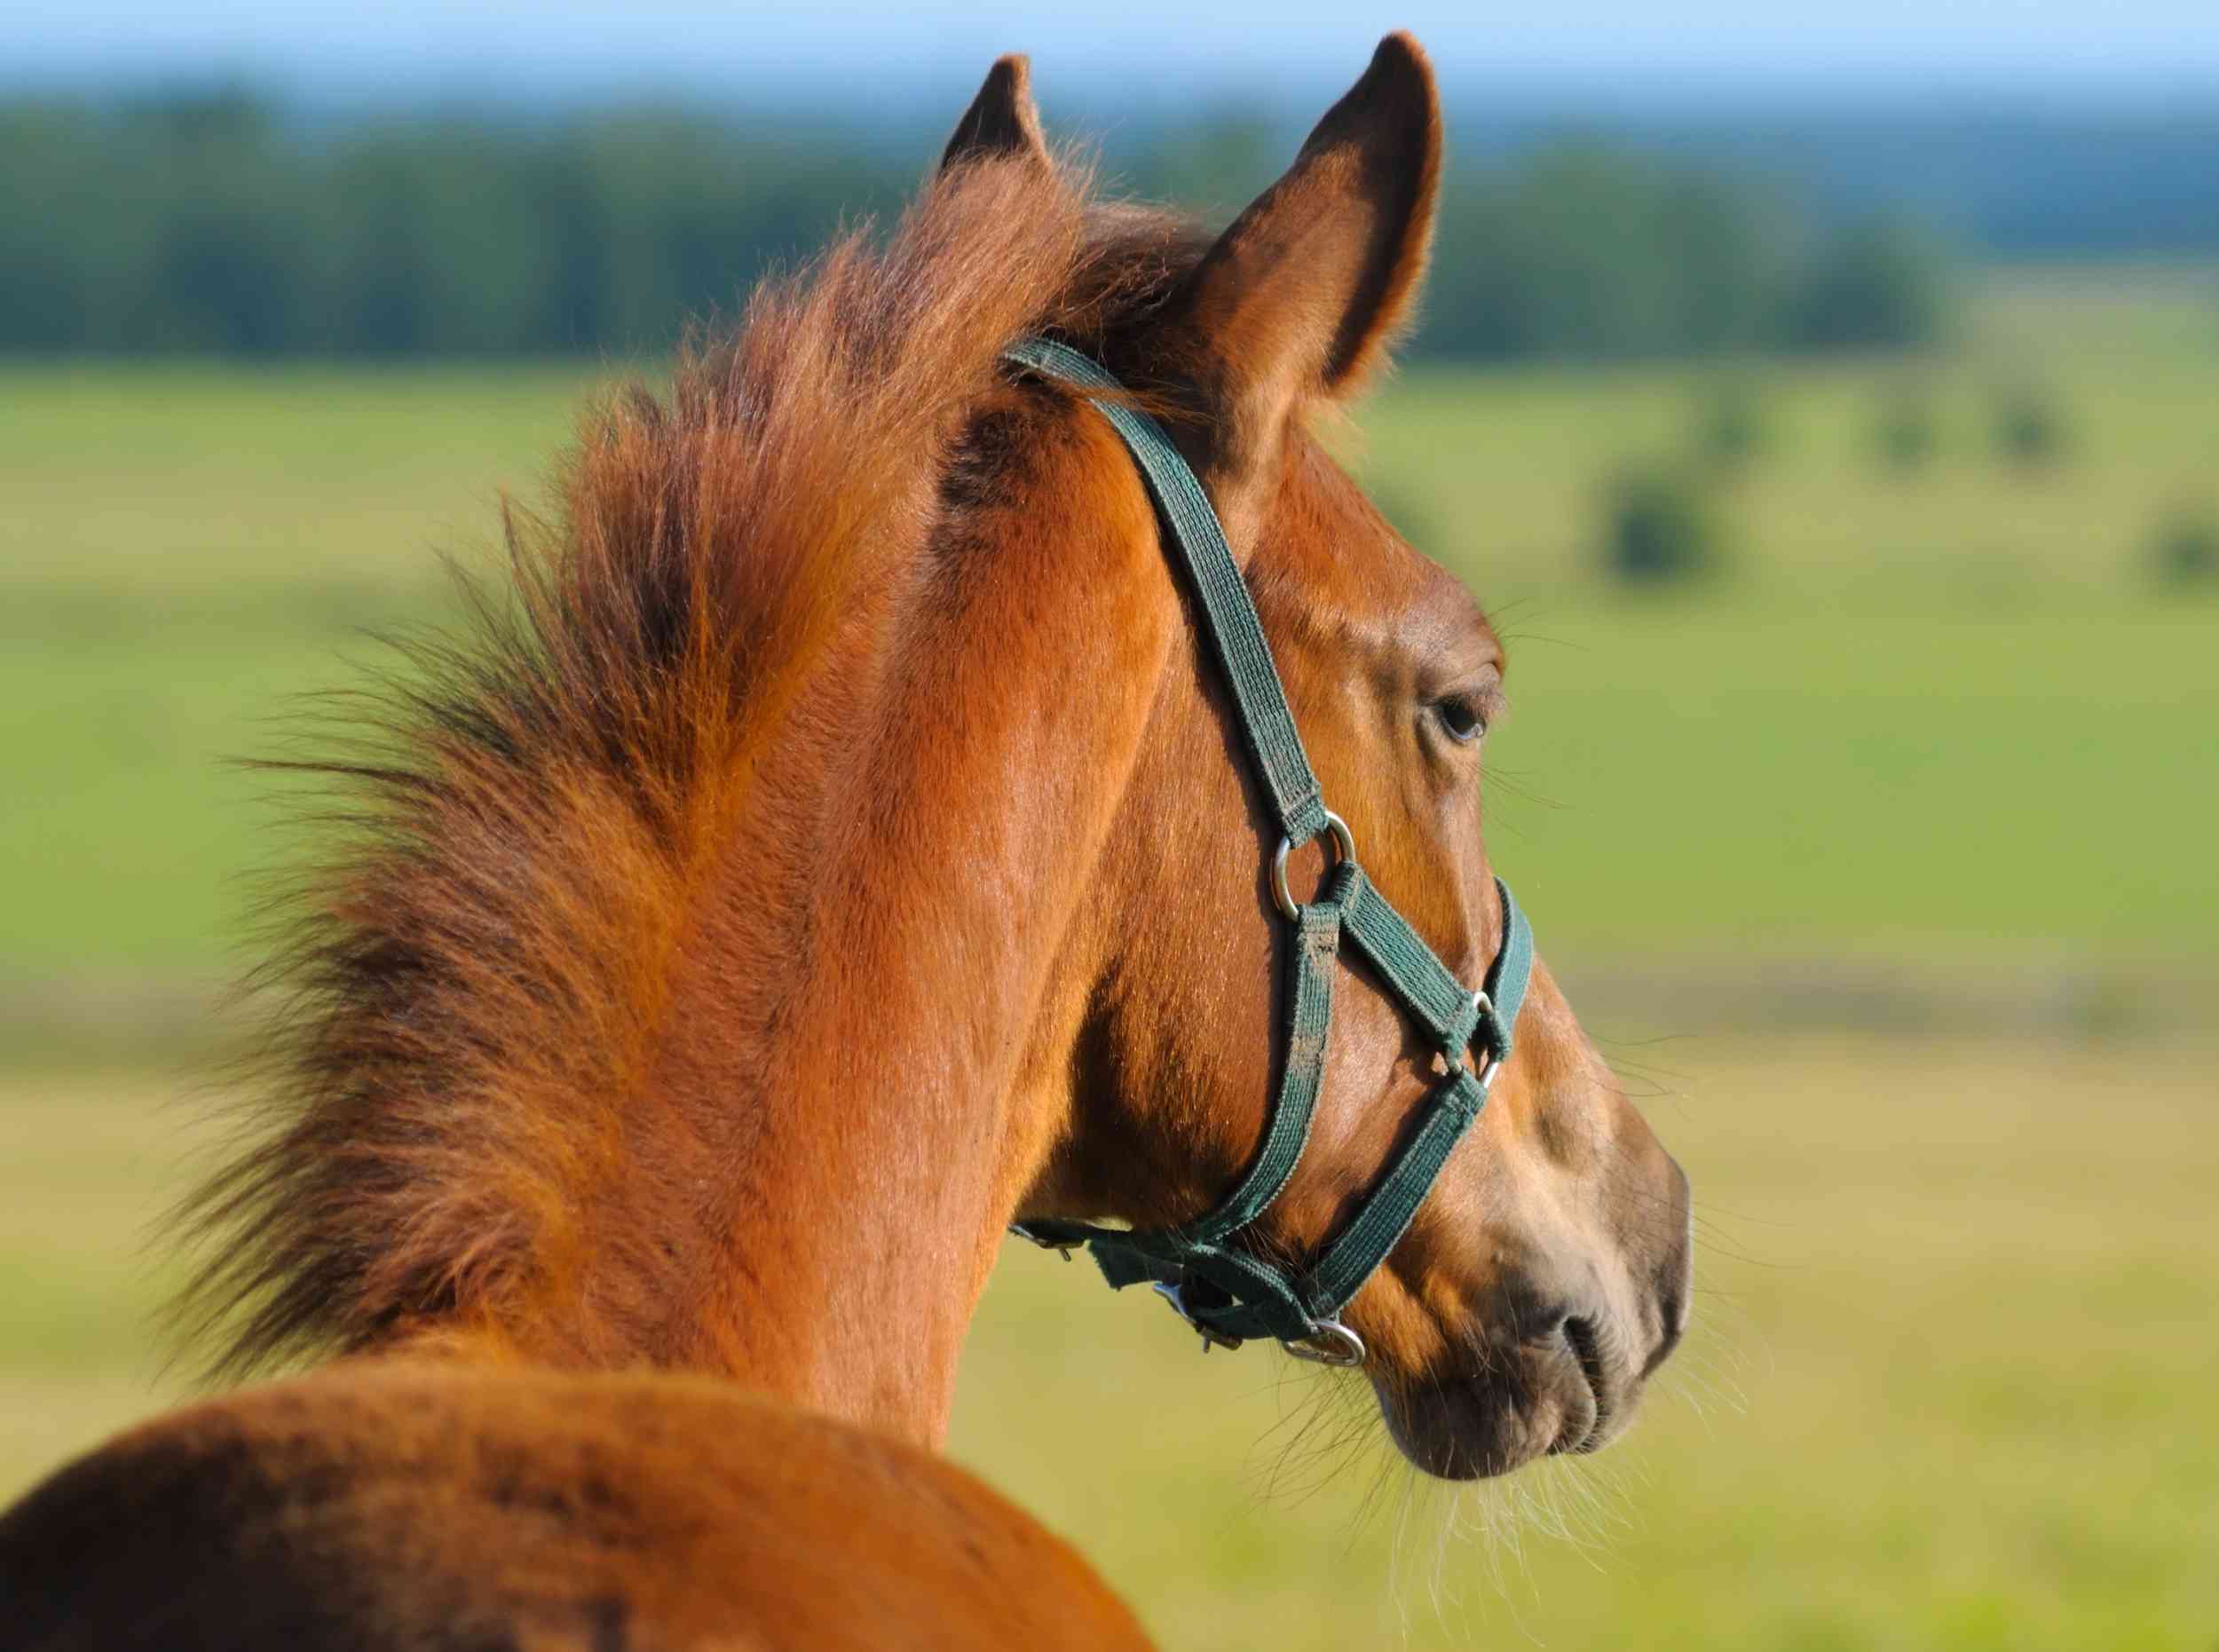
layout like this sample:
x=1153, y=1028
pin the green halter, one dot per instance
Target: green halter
x=1225, y=1292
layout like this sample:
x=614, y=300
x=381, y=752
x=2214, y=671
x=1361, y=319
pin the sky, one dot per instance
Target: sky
x=1153, y=51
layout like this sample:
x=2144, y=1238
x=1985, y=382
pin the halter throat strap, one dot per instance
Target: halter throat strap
x=1220, y=1286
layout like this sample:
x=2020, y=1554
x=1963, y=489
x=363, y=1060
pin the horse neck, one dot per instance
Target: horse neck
x=857, y=1092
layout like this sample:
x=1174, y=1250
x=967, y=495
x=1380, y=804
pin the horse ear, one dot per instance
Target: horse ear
x=1303, y=294
x=1002, y=121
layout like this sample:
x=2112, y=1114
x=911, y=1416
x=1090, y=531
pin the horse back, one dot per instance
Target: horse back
x=385, y=1505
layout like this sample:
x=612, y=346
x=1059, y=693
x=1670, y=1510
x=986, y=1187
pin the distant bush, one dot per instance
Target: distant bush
x=1906, y=433
x=1732, y=427
x=1583, y=251
x=2184, y=550
x=1881, y=284
x=2030, y=426
x=1586, y=250
x=1661, y=527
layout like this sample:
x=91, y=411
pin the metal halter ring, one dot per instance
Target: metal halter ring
x=1343, y=848
x=1328, y=1343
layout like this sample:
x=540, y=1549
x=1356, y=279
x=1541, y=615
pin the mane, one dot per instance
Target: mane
x=473, y=979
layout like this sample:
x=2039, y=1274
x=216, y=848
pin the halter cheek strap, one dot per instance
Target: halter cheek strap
x=1226, y=1291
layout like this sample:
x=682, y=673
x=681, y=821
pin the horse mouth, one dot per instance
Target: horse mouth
x=1554, y=1397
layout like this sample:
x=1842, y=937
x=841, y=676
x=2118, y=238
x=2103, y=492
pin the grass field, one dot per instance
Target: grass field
x=1951, y=1385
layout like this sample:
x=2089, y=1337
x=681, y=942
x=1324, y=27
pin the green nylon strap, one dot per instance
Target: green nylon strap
x=1258, y=1299
x=1508, y=976
x=1128, y=1257
x=1227, y=1291
x=1377, y=1226
x=1235, y=631
x=1355, y=1254
x=1311, y=1020
x=1441, y=1004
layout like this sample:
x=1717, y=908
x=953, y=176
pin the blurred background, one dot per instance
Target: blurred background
x=1827, y=404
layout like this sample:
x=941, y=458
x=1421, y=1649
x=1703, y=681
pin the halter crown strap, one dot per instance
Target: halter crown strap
x=1235, y=633
x=1226, y=1291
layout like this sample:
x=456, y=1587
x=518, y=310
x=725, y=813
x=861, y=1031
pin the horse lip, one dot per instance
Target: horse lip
x=1490, y=1421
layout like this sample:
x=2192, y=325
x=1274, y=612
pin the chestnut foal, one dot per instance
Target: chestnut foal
x=843, y=842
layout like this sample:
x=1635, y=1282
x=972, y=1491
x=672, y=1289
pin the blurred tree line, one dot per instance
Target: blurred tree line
x=210, y=223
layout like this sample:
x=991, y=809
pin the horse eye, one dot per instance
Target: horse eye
x=1460, y=718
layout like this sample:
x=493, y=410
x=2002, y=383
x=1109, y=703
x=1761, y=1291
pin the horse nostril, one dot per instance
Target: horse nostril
x=1580, y=1337
x=1672, y=1310
x=1675, y=1279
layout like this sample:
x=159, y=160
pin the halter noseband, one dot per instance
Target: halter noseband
x=1228, y=1293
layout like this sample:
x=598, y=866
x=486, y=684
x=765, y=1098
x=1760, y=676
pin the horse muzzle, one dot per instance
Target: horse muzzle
x=1551, y=1369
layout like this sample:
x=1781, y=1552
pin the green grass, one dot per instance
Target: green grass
x=1949, y=1384
x=1704, y=777
x=127, y=843
x=1499, y=476
x=137, y=482
x=186, y=551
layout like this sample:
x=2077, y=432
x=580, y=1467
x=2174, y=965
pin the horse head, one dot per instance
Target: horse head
x=1545, y=1276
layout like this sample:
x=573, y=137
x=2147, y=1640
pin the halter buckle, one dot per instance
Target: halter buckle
x=1343, y=848
x=1328, y=1343
x=1060, y=1246
x=1211, y=1337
